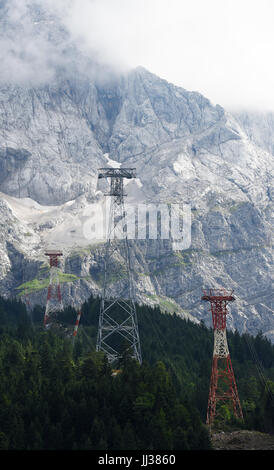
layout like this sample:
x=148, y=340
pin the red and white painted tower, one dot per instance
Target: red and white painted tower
x=54, y=297
x=222, y=384
x=78, y=318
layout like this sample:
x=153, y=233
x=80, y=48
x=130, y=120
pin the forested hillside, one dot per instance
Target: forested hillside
x=56, y=394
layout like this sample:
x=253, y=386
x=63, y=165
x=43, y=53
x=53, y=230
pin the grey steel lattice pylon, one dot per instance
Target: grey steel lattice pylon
x=118, y=326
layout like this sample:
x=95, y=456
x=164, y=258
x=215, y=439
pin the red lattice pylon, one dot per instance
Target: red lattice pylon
x=222, y=383
x=54, y=297
x=77, y=323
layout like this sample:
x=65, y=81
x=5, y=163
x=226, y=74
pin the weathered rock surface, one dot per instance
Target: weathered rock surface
x=242, y=440
x=53, y=139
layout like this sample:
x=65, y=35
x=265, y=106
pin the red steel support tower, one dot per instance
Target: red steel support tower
x=222, y=384
x=77, y=323
x=54, y=297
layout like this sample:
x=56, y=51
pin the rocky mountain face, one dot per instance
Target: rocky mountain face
x=259, y=127
x=53, y=139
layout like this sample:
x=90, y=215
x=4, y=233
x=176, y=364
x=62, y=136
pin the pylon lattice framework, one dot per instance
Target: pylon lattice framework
x=76, y=326
x=118, y=326
x=222, y=383
x=54, y=298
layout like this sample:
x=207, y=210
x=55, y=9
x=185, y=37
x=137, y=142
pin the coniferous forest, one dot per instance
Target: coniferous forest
x=60, y=394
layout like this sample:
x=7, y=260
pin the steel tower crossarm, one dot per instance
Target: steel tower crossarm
x=128, y=173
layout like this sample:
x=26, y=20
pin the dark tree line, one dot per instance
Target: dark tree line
x=58, y=395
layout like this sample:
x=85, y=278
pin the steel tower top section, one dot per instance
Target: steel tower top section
x=218, y=294
x=117, y=176
x=53, y=257
x=117, y=173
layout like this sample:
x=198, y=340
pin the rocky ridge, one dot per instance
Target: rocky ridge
x=55, y=136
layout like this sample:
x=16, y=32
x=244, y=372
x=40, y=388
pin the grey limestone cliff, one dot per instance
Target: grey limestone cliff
x=55, y=136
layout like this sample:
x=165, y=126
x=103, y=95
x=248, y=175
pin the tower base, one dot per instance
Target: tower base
x=223, y=389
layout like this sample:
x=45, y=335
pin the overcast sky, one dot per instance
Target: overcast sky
x=221, y=48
